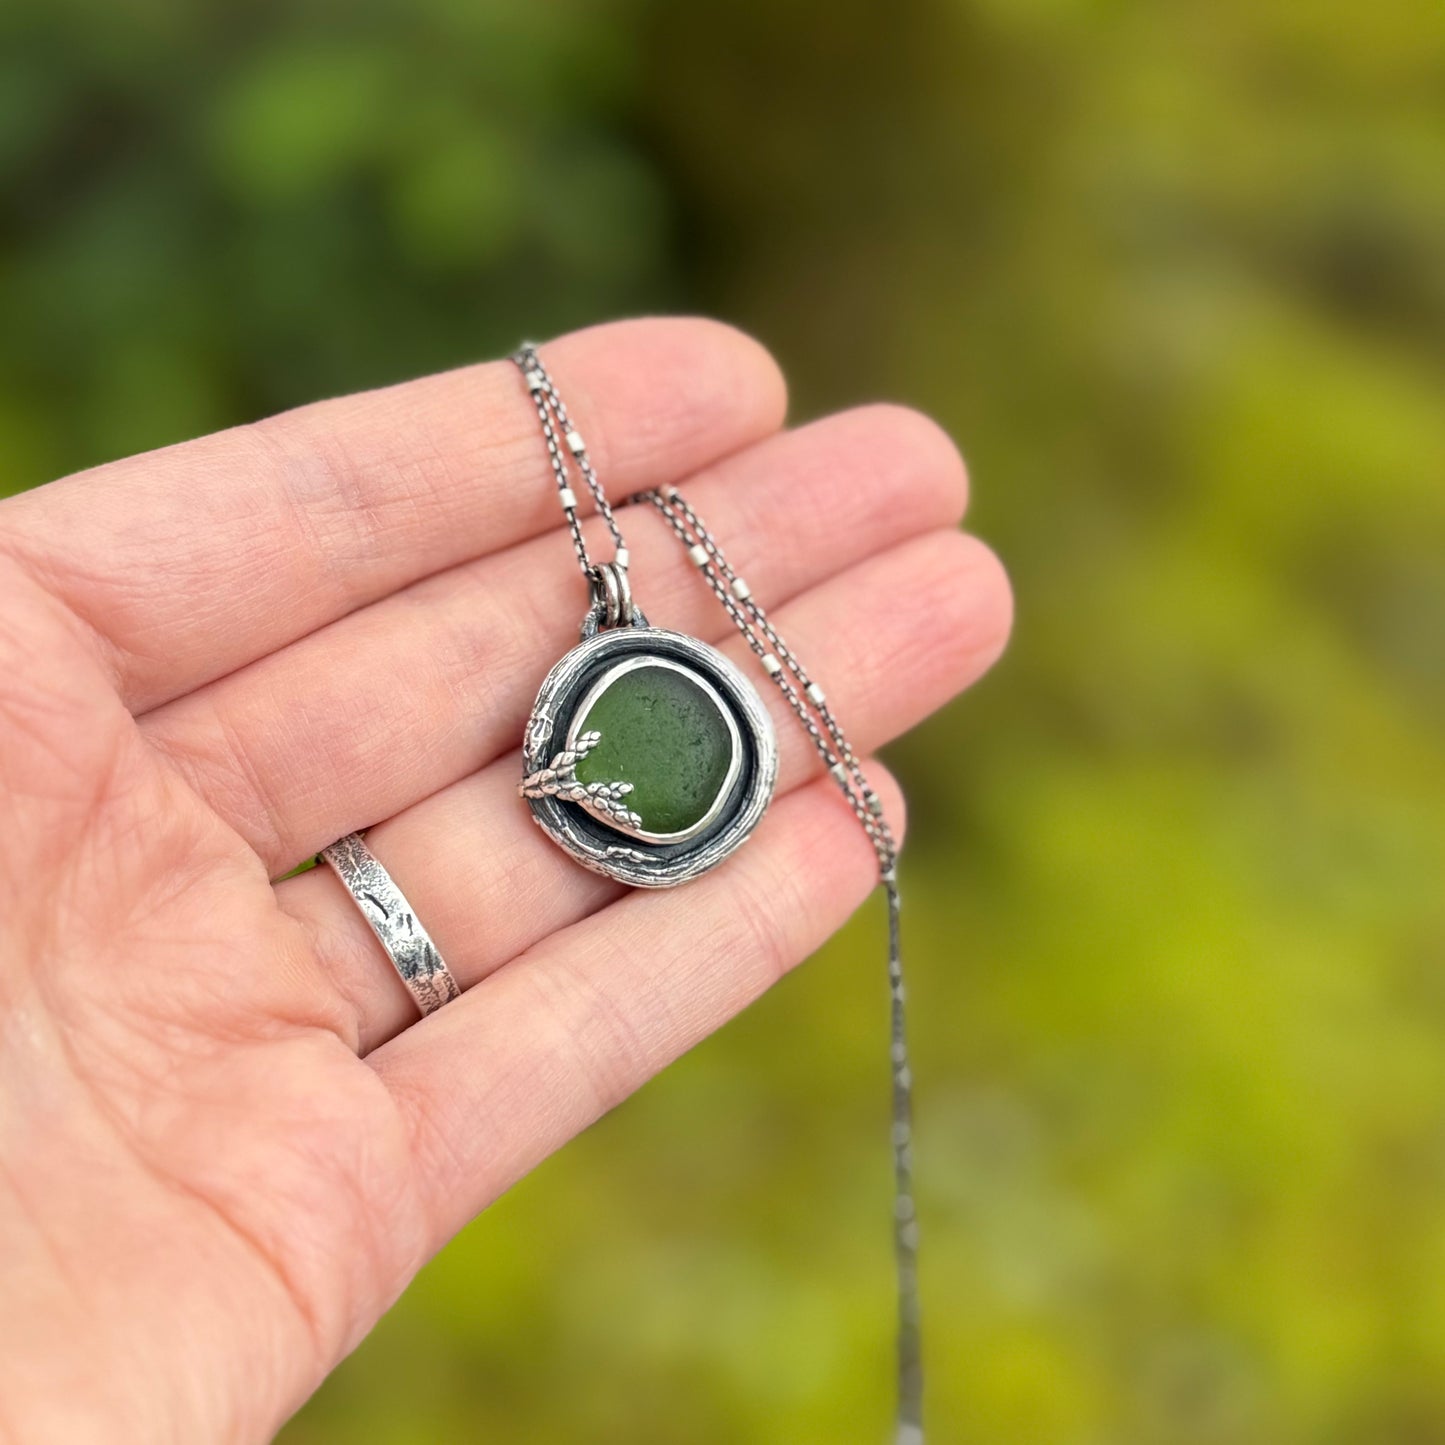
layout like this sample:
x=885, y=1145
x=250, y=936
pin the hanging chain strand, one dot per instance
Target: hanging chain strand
x=552, y=413
x=810, y=705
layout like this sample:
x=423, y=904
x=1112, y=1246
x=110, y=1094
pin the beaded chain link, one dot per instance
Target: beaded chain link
x=809, y=703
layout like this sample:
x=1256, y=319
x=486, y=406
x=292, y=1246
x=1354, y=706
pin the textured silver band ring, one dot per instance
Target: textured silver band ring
x=385, y=908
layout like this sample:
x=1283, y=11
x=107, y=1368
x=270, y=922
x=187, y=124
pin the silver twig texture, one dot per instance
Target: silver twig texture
x=559, y=780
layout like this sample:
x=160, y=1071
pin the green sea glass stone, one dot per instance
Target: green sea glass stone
x=665, y=735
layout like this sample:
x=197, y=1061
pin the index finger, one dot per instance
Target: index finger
x=188, y=562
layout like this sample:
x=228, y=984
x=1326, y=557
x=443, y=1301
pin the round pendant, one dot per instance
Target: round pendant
x=648, y=757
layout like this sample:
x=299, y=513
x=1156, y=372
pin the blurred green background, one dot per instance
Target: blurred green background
x=1174, y=273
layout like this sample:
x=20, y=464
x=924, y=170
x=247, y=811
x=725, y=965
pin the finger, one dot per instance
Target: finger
x=353, y=723
x=493, y=1083
x=189, y=562
x=892, y=639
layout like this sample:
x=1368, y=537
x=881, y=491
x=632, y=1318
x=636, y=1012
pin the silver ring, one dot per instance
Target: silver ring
x=385, y=908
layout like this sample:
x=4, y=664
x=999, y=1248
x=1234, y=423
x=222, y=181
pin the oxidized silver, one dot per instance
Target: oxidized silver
x=385, y=908
x=592, y=821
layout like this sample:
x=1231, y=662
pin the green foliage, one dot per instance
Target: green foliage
x=1175, y=275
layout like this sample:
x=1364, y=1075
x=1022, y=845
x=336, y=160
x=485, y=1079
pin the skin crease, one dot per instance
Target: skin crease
x=223, y=1153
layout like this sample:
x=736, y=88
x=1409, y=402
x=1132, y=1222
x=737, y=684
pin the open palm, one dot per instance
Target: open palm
x=226, y=1143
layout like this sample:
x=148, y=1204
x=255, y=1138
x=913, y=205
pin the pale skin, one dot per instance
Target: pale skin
x=226, y=1145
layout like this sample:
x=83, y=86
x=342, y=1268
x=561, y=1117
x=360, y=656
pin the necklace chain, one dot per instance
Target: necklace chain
x=559, y=433
x=810, y=705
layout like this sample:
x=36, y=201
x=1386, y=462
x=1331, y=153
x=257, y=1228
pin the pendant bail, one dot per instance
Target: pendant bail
x=612, y=604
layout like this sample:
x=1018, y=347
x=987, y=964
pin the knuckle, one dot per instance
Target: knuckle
x=326, y=505
x=751, y=935
x=607, y=1053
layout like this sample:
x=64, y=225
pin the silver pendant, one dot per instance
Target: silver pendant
x=648, y=756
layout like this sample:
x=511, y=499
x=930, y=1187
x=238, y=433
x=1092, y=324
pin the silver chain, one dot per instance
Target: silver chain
x=810, y=705
x=559, y=433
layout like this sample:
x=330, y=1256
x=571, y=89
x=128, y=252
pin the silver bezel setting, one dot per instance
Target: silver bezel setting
x=647, y=659
x=610, y=846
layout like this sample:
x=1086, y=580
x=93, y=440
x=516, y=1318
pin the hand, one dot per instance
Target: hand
x=226, y=1143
